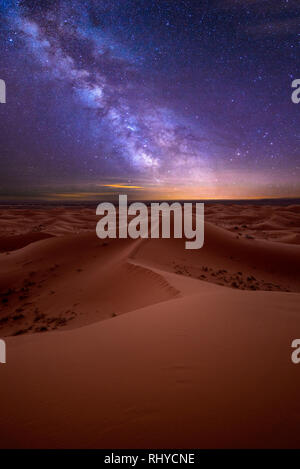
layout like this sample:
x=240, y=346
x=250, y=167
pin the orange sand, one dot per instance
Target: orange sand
x=127, y=344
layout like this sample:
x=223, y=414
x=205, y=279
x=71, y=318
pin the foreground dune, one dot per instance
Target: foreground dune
x=71, y=281
x=184, y=373
x=141, y=343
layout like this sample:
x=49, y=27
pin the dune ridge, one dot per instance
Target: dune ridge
x=141, y=343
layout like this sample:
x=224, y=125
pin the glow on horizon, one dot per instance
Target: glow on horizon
x=249, y=188
x=140, y=193
x=122, y=186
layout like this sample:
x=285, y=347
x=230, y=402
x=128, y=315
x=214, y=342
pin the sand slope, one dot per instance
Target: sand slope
x=224, y=259
x=72, y=281
x=145, y=344
x=185, y=373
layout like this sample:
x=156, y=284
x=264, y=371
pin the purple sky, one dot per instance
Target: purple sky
x=179, y=98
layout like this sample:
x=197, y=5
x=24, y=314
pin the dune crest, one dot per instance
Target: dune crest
x=151, y=345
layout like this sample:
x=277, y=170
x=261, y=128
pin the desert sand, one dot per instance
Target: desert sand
x=143, y=344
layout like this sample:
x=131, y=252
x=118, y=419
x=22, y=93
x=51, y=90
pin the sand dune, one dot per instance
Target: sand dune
x=72, y=281
x=261, y=221
x=14, y=242
x=141, y=343
x=184, y=373
x=255, y=220
x=228, y=260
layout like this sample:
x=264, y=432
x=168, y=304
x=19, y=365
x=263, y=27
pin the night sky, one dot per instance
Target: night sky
x=172, y=98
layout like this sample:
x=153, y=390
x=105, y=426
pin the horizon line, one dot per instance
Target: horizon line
x=35, y=200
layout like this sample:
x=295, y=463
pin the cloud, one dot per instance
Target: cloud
x=122, y=186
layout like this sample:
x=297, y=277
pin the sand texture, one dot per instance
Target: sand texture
x=142, y=343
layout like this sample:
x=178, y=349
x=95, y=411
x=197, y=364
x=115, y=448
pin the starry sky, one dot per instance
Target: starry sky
x=154, y=98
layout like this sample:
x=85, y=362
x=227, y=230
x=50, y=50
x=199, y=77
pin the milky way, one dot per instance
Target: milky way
x=189, y=96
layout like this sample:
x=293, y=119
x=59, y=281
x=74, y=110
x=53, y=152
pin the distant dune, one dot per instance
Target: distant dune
x=141, y=343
